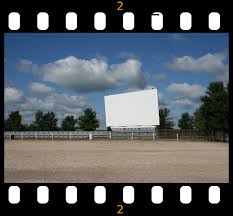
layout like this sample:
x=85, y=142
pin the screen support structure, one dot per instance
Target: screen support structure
x=154, y=134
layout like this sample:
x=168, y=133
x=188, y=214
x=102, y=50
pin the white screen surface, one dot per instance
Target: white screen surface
x=133, y=109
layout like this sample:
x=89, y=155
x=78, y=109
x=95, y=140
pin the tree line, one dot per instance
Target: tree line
x=210, y=117
x=48, y=122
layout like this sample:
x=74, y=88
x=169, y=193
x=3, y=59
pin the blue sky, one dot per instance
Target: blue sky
x=67, y=72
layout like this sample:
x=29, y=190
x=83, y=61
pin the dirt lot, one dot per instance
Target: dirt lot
x=115, y=161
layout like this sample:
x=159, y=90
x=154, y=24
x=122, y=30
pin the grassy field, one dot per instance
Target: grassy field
x=115, y=161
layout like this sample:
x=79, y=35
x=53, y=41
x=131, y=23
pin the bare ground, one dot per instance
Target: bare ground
x=123, y=161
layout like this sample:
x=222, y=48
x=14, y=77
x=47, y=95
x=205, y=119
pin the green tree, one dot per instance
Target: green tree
x=39, y=120
x=44, y=122
x=6, y=125
x=165, y=119
x=186, y=121
x=49, y=121
x=227, y=110
x=13, y=122
x=199, y=123
x=24, y=127
x=32, y=127
x=88, y=121
x=213, y=114
x=68, y=123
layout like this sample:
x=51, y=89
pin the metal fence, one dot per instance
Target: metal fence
x=156, y=134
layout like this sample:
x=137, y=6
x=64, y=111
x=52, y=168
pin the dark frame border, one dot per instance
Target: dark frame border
x=85, y=199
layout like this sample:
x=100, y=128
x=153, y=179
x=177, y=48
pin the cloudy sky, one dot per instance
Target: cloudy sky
x=66, y=73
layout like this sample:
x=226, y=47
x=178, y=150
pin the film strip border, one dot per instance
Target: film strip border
x=104, y=21
x=118, y=194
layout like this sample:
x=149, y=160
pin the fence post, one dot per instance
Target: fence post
x=70, y=135
x=177, y=137
x=153, y=135
x=10, y=135
x=52, y=135
x=21, y=135
x=90, y=136
x=110, y=135
x=132, y=136
x=35, y=136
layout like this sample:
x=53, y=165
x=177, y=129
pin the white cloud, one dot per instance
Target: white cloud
x=12, y=95
x=102, y=120
x=127, y=55
x=171, y=102
x=184, y=95
x=209, y=63
x=128, y=74
x=150, y=87
x=137, y=89
x=78, y=74
x=187, y=90
x=39, y=89
x=26, y=65
x=163, y=100
x=94, y=74
x=177, y=37
x=185, y=103
x=61, y=104
x=159, y=77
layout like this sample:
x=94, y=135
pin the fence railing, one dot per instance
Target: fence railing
x=157, y=134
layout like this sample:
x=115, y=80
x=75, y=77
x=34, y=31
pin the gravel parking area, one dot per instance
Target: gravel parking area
x=115, y=161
